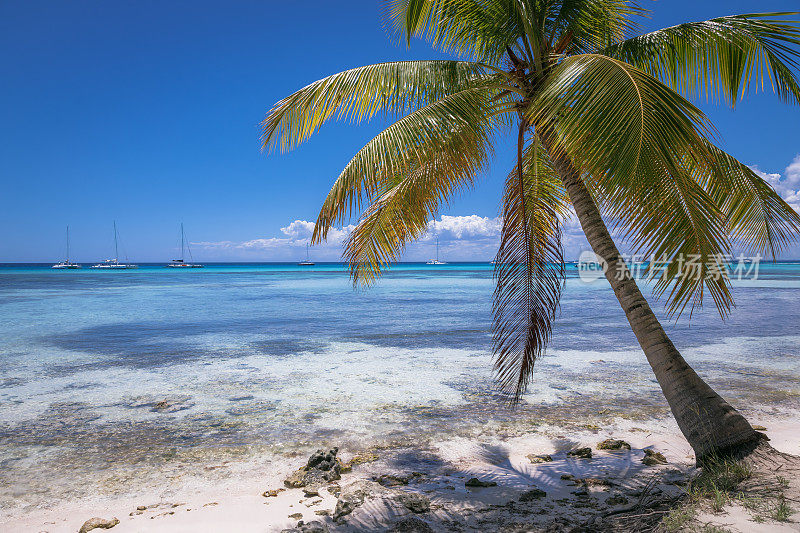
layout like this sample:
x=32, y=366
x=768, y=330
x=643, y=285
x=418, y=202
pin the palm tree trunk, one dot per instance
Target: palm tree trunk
x=707, y=421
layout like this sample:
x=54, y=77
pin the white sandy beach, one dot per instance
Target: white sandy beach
x=235, y=500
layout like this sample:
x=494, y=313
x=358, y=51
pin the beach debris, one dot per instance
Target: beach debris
x=210, y=504
x=617, y=499
x=544, y=458
x=322, y=467
x=241, y=398
x=348, y=502
x=322, y=512
x=411, y=524
x=613, y=444
x=652, y=458
x=475, y=482
x=171, y=404
x=311, y=527
x=594, y=481
x=360, y=459
x=296, y=516
x=391, y=480
x=759, y=428
x=272, y=493
x=532, y=495
x=141, y=508
x=311, y=490
x=416, y=503
x=98, y=523
x=581, y=453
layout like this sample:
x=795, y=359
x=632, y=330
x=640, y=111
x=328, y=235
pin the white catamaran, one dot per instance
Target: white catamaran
x=66, y=263
x=436, y=261
x=114, y=263
x=307, y=262
x=181, y=263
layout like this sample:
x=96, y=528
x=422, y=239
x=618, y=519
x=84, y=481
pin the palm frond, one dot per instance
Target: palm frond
x=668, y=218
x=758, y=219
x=586, y=26
x=357, y=94
x=455, y=131
x=402, y=212
x=608, y=116
x=722, y=56
x=529, y=270
x=475, y=29
x=645, y=148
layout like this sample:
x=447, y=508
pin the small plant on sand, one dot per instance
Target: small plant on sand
x=754, y=505
x=782, y=511
x=717, y=481
x=783, y=482
x=714, y=486
x=677, y=519
x=714, y=529
x=718, y=500
x=720, y=475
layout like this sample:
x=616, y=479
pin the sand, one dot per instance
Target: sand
x=576, y=488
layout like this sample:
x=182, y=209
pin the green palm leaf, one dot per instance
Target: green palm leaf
x=667, y=217
x=402, y=212
x=645, y=149
x=357, y=94
x=455, y=131
x=609, y=116
x=476, y=29
x=758, y=219
x=586, y=26
x=529, y=270
x=721, y=56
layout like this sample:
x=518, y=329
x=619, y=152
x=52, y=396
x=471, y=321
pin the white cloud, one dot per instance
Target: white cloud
x=469, y=227
x=788, y=184
x=793, y=172
x=299, y=229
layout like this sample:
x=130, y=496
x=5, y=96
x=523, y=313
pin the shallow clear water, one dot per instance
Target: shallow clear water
x=105, y=371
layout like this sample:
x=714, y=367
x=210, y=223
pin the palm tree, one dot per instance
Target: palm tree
x=604, y=127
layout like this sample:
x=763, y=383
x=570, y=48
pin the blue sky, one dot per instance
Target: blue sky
x=147, y=113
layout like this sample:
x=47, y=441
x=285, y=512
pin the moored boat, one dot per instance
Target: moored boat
x=307, y=261
x=181, y=263
x=114, y=264
x=66, y=263
x=436, y=261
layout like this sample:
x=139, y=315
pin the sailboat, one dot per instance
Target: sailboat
x=66, y=263
x=180, y=263
x=114, y=263
x=436, y=261
x=307, y=262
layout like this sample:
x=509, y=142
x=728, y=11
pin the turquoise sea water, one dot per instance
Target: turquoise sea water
x=153, y=368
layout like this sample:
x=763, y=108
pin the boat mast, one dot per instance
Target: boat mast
x=182, y=239
x=67, y=243
x=116, y=247
x=437, y=249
